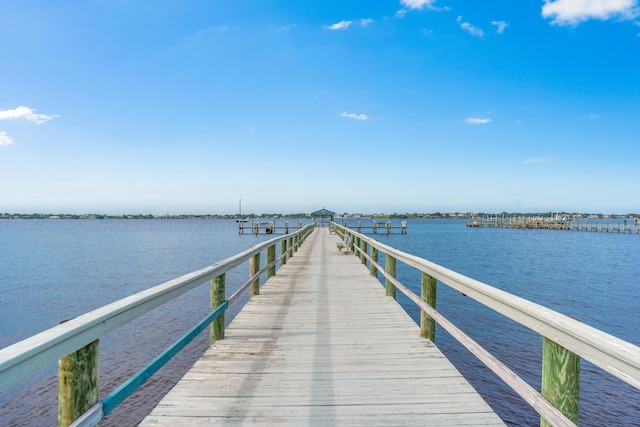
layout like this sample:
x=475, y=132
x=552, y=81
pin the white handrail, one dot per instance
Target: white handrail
x=614, y=355
x=26, y=357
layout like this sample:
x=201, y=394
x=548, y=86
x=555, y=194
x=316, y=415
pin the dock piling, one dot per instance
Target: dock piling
x=560, y=380
x=427, y=324
x=390, y=267
x=218, y=296
x=254, y=267
x=77, y=383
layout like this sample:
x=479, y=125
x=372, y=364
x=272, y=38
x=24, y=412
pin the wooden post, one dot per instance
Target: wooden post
x=560, y=379
x=218, y=296
x=290, y=239
x=356, y=244
x=373, y=254
x=283, y=251
x=390, y=267
x=364, y=251
x=429, y=290
x=77, y=383
x=271, y=257
x=254, y=267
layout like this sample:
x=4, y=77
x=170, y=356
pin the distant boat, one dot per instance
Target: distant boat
x=240, y=213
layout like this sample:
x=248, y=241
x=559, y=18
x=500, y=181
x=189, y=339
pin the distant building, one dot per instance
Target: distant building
x=323, y=213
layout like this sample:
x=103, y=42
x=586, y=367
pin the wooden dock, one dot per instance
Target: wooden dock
x=269, y=227
x=530, y=223
x=322, y=345
x=376, y=227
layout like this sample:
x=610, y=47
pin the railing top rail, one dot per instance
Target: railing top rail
x=23, y=358
x=614, y=355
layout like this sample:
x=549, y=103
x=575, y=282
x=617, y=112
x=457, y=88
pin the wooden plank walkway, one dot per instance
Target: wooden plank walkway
x=322, y=345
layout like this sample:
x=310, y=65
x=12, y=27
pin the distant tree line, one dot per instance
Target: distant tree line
x=395, y=215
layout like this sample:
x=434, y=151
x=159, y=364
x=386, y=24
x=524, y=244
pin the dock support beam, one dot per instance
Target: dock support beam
x=560, y=379
x=77, y=383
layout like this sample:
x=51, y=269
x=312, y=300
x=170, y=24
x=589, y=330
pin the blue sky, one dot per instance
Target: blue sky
x=124, y=106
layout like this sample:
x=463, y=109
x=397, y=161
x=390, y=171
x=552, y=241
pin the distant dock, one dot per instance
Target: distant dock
x=386, y=227
x=268, y=227
x=551, y=223
x=271, y=227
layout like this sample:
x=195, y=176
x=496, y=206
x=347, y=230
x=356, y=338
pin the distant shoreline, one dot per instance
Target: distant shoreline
x=262, y=217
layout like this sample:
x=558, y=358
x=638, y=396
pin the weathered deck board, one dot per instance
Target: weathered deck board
x=322, y=345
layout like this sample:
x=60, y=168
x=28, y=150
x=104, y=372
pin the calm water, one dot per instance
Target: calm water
x=55, y=270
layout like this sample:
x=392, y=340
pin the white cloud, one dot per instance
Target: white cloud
x=343, y=25
x=355, y=116
x=474, y=31
x=25, y=113
x=572, y=12
x=5, y=139
x=501, y=26
x=477, y=121
x=537, y=160
x=218, y=29
x=417, y=4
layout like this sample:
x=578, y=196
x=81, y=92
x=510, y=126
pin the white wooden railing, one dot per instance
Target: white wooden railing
x=561, y=333
x=25, y=358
